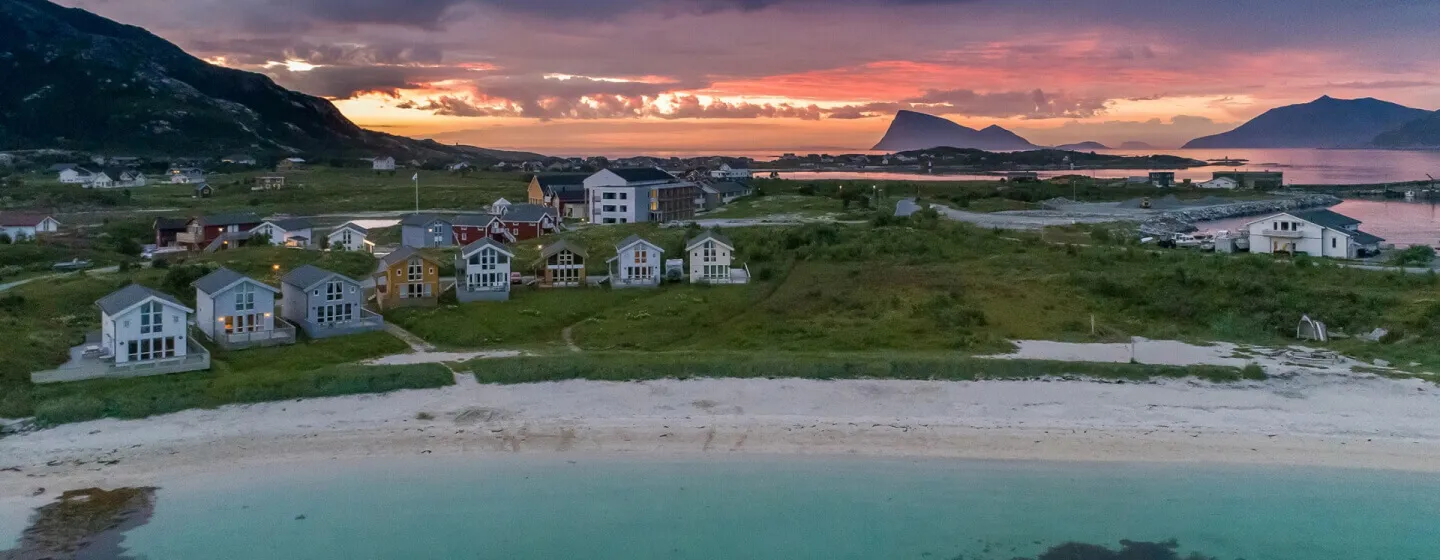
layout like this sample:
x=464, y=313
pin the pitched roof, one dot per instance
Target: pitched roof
x=739, y=164
x=528, y=213
x=171, y=223
x=203, y=186
x=127, y=297
x=707, y=235
x=291, y=224
x=551, y=180
x=1327, y=218
x=1365, y=238
x=222, y=278
x=351, y=226
x=229, y=219
x=22, y=220
x=633, y=239
x=419, y=220
x=401, y=254
x=563, y=245
x=643, y=174
x=483, y=243
x=63, y=166
x=472, y=220
x=115, y=172
x=310, y=275
x=729, y=187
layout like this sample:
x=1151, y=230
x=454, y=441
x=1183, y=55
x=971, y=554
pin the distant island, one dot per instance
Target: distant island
x=1133, y=145
x=1332, y=123
x=1082, y=146
x=917, y=131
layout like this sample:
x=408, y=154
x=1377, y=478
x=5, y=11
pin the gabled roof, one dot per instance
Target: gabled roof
x=729, y=187
x=63, y=166
x=310, y=275
x=643, y=174
x=402, y=254
x=483, y=243
x=551, y=180
x=1365, y=238
x=230, y=219
x=563, y=245
x=527, y=213
x=222, y=279
x=351, y=226
x=289, y=224
x=203, y=186
x=171, y=223
x=632, y=240
x=1327, y=218
x=708, y=236
x=738, y=165
x=117, y=172
x=474, y=220
x=23, y=220
x=133, y=295
x=421, y=220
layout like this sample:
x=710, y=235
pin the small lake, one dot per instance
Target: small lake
x=757, y=508
x=1315, y=167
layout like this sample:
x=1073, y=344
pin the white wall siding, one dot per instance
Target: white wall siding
x=126, y=328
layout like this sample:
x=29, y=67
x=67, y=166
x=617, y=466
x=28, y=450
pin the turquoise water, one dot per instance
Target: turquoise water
x=810, y=508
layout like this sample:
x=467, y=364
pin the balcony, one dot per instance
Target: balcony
x=1287, y=234
x=283, y=333
x=91, y=361
x=367, y=321
x=189, y=238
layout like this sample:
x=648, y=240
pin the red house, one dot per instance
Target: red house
x=200, y=232
x=528, y=221
x=166, y=229
x=470, y=228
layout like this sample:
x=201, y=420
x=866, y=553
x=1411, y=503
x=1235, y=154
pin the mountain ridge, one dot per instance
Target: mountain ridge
x=81, y=81
x=913, y=130
x=1326, y=122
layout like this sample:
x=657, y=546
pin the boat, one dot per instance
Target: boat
x=76, y=264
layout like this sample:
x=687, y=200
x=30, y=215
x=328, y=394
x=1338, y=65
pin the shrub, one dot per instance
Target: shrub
x=1416, y=256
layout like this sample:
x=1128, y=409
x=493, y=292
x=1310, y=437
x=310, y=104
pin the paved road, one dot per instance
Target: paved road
x=1002, y=220
x=18, y=283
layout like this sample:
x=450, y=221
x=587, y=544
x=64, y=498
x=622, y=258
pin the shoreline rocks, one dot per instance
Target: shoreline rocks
x=1183, y=221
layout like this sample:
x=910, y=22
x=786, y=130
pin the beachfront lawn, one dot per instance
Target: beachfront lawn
x=637, y=366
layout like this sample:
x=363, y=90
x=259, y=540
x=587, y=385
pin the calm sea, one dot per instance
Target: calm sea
x=1300, y=166
x=1399, y=222
x=634, y=508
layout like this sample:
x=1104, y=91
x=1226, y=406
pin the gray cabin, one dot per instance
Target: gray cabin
x=482, y=272
x=426, y=230
x=237, y=311
x=326, y=303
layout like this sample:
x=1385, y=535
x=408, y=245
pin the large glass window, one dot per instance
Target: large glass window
x=415, y=271
x=244, y=297
x=334, y=291
x=147, y=349
x=150, y=318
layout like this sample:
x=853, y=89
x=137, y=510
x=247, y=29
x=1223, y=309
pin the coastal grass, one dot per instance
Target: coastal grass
x=630, y=366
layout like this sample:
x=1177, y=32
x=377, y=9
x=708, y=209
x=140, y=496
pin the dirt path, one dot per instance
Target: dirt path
x=416, y=343
x=568, y=336
x=18, y=283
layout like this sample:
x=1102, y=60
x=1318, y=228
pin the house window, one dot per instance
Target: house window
x=608, y=221
x=608, y=196
x=242, y=323
x=150, y=318
x=624, y=208
x=147, y=349
x=345, y=238
x=415, y=271
x=337, y=313
x=642, y=256
x=708, y=252
x=565, y=259
x=437, y=234
x=566, y=275
x=245, y=298
x=415, y=290
x=607, y=208
x=624, y=196
x=334, y=291
x=1334, y=243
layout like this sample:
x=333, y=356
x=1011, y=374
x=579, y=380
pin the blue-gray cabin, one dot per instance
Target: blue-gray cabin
x=426, y=230
x=326, y=303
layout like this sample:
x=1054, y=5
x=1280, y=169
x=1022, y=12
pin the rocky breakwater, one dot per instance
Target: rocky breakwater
x=1183, y=220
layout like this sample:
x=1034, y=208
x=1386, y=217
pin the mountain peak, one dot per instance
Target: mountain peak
x=1326, y=122
x=912, y=130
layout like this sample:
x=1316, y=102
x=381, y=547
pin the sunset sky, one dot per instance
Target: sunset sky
x=622, y=77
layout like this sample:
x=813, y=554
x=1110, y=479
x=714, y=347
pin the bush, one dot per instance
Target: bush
x=1416, y=256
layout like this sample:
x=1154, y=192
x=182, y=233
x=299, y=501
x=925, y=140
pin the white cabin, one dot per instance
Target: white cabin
x=1220, y=183
x=138, y=324
x=1318, y=233
x=386, y=163
x=295, y=232
x=711, y=255
x=21, y=227
x=350, y=237
x=636, y=264
x=482, y=272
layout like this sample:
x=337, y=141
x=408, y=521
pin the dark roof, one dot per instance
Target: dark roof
x=528, y=213
x=352, y=226
x=633, y=239
x=202, y=186
x=420, y=220
x=643, y=174
x=63, y=166
x=739, y=165
x=171, y=223
x=222, y=277
x=1327, y=218
x=292, y=224
x=1365, y=238
x=128, y=296
x=230, y=219
x=401, y=254
x=549, y=180
x=483, y=243
x=310, y=275
x=472, y=220
x=563, y=245
x=729, y=187
x=22, y=220
x=709, y=235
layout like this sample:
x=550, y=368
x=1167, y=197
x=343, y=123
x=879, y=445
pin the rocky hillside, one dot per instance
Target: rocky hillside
x=918, y=131
x=75, y=80
x=1419, y=133
x=1324, y=123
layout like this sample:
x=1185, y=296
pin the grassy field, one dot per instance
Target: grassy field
x=967, y=193
x=623, y=366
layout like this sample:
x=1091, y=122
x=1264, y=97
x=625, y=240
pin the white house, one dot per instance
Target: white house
x=185, y=175
x=386, y=163
x=731, y=171
x=1220, y=183
x=711, y=255
x=294, y=232
x=237, y=311
x=482, y=272
x=76, y=175
x=116, y=178
x=138, y=324
x=350, y=237
x=499, y=207
x=1319, y=233
x=636, y=264
x=20, y=227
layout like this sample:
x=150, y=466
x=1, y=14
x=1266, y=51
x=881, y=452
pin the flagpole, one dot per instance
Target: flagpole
x=416, y=178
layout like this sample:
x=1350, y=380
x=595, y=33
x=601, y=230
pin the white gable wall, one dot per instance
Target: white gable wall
x=710, y=263
x=119, y=331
